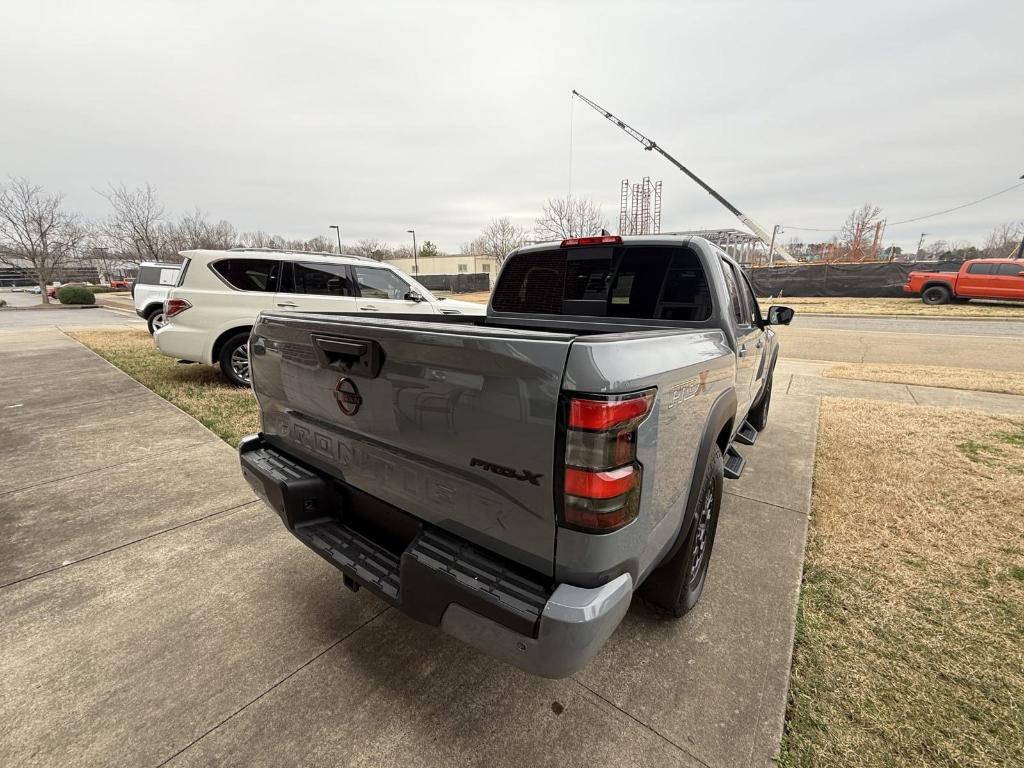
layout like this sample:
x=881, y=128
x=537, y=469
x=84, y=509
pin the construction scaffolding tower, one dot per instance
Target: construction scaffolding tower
x=640, y=207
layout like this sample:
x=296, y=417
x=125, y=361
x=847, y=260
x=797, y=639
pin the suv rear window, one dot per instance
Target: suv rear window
x=248, y=274
x=156, y=275
x=659, y=282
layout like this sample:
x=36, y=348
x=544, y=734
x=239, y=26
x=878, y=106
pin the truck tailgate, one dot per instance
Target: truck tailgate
x=454, y=423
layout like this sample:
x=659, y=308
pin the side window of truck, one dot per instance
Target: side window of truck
x=735, y=303
x=980, y=269
x=751, y=312
x=1010, y=270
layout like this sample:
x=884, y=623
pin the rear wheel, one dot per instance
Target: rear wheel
x=676, y=586
x=156, y=320
x=936, y=294
x=234, y=359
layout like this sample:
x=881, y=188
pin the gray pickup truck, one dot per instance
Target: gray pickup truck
x=515, y=478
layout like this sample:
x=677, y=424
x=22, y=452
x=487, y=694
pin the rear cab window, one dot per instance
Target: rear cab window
x=654, y=282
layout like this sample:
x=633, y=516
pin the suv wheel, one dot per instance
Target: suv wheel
x=936, y=294
x=234, y=359
x=156, y=320
x=676, y=586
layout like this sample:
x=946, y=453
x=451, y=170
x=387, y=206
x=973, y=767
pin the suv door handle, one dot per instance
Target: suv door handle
x=368, y=308
x=287, y=304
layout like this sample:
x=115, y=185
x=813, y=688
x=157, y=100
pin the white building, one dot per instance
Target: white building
x=448, y=265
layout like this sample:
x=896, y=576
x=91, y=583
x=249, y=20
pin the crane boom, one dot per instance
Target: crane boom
x=651, y=145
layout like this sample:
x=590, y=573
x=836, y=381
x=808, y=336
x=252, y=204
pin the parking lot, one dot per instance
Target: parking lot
x=152, y=612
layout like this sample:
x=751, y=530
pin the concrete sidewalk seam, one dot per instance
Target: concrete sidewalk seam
x=767, y=503
x=284, y=679
x=98, y=469
x=228, y=511
x=101, y=400
x=640, y=722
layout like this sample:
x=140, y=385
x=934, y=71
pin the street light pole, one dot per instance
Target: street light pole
x=415, y=262
x=337, y=229
x=919, y=244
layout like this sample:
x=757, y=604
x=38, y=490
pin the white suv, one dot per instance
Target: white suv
x=150, y=289
x=210, y=312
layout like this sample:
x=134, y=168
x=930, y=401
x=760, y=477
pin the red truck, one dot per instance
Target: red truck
x=977, y=279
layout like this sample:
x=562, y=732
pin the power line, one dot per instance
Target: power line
x=920, y=218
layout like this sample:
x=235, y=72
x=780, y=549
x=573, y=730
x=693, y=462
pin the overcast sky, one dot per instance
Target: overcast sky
x=438, y=116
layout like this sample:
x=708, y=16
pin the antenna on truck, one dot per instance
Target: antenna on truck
x=651, y=145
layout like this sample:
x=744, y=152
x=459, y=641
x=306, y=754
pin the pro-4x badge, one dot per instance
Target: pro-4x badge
x=516, y=474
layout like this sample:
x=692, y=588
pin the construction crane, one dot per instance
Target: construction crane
x=650, y=144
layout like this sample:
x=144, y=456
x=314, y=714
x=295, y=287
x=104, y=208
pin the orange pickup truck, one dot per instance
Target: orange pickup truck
x=977, y=279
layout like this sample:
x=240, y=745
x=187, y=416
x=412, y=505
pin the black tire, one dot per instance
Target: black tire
x=936, y=294
x=676, y=585
x=231, y=350
x=155, y=320
x=758, y=415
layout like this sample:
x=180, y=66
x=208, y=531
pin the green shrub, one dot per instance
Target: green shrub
x=75, y=294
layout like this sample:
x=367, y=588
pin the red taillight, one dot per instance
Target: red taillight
x=601, y=485
x=602, y=478
x=597, y=240
x=174, y=307
x=597, y=415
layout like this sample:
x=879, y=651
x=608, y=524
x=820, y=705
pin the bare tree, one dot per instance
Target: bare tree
x=569, y=217
x=1004, y=239
x=371, y=248
x=193, y=230
x=499, y=238
x=136, y=222
x=37, y=236
x=857, y=235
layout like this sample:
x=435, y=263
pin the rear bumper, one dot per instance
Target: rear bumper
x=182, y=343
x=439, y=579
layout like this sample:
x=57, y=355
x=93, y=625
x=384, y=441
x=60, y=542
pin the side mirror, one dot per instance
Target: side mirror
x=414, y=296
x=780, y=315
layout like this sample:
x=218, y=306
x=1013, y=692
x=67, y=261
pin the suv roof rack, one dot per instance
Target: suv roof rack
x=306, y=253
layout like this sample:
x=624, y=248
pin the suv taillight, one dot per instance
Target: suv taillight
x=602, y=477
x=174, y=307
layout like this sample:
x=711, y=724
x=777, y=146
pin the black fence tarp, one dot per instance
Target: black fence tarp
x=875, y=280
x=462, y=282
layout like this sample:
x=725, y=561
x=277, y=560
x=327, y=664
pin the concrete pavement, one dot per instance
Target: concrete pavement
x=152, y=613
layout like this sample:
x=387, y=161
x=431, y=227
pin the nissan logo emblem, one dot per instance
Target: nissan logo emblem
x=348, y=397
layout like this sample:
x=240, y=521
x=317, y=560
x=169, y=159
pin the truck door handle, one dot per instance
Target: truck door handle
x=369, y=308
x=287, y=304
x=350, y=355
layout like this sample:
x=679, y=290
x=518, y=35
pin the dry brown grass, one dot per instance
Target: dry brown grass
x=910, y=638
x=1006, y=382
x=854, y=306
x=199, y=390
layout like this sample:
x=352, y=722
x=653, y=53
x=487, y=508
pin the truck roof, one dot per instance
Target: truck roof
x=626, y=239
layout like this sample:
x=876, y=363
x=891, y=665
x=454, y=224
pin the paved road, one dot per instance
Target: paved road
x=988, y=345
x=152, y=612
x=926, y=325
x=26, y=319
